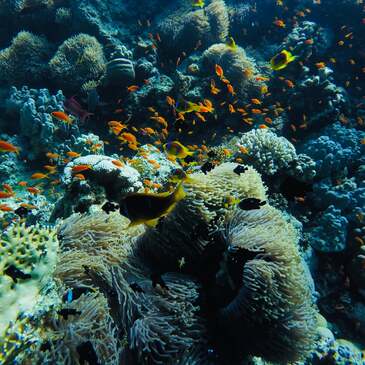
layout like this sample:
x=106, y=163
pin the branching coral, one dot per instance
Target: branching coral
x=272, y=312
x=25, y=60
x=79, y=59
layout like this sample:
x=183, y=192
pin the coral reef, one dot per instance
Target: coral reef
x=28, y=257
x=79, y=59
x=25, y=60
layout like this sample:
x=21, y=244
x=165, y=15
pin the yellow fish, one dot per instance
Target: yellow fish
x=198, y=3
x=176, y=149
x=148, y=208
x=281, y=60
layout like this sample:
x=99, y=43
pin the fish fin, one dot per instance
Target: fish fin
x=152, y=223
x=179, y=193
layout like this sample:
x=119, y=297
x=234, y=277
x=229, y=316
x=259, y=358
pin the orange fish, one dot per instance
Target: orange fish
x=8, y=188
x=28, y=206
x=231, y=108
x=256, y=101
x=8, y=147
x=256, y=111
x=6, y=194
x=243, y=149
x=132, y=88
x=309, y=41
x=51, y=168
x=128, y=137
x=72, y=154
x=38, y=176
x=320, y=65
x=5, y=208
x=52, y=156
x=80, y=177
x=117, y=163
x=289, y=83
x=62, y=116
x=219, y=70
x=213, y=89
x=170, y=100
x=279, y=23
x=23, y=183
x=263, y=126
x=230, y=89
x=160, y=120
x=80, y=168
x=33, y=190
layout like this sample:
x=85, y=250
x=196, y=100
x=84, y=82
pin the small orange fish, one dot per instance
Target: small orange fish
x=230, y=89
x=256, y=101
x=51, y=168
x=62, y=116
x=6, y=194
x=279, y=23
x=170, y=101
x=219, y=71
x=8, y=188
x=132, y=88
x=80, y=177
x=309, y=41
x=128, y=137
x=22, y=183
x=320, y=65
x=5, y=208
x=213, y=89
x=8, y=147
x=33, y=190
x=133, y=146
x=38, y=176
x=268, y=120
x=263, y=126
x=256, y=111
x=72, y=154
x=289, y=83
x=79, y=168
x=231, y=108
x=52, y=156
x=117, y=163
x=160, y=120
x=243, y=149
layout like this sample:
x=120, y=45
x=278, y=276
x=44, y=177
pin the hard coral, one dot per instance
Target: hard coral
x=238, y=67
x=79, y=59
x=27, y=258
x=25, y=60
x=271, y=312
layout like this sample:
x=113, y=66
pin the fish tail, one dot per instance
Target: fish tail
x=179, y=193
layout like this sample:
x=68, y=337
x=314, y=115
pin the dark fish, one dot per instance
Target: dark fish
x=251, y=204
x=65, y=312
x=157, y=280
x=110, y=207
x=87, y=354
x=16, y=274
x=136, y=288
x=240, y=169
x=21, y=212
x=148, y=208
x=208, y=166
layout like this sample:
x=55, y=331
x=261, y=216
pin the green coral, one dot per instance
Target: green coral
x=25, y=60
x=79, y=59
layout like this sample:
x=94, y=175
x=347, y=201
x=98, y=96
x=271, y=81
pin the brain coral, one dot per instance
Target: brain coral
x=238, y=67
x=25, y=60
x=267, y=152
x=78, y=59
x=271, y=313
